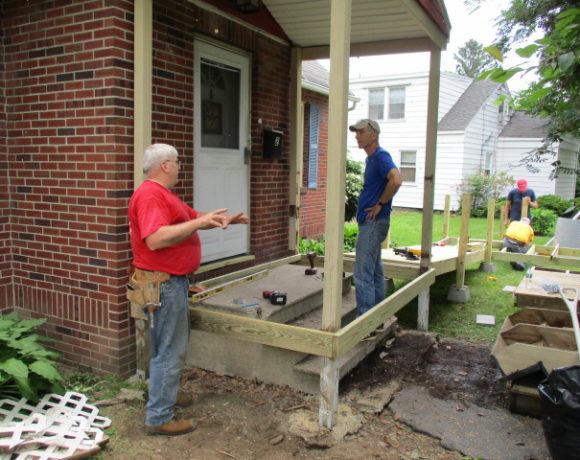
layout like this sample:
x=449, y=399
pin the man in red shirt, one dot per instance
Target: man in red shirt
x=166, y=248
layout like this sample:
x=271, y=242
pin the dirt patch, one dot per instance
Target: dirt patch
x=245, y=419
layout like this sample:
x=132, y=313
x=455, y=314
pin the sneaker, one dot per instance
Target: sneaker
x=183, y=400
x=172, y=428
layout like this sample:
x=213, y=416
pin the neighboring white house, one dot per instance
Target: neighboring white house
x=475, y=134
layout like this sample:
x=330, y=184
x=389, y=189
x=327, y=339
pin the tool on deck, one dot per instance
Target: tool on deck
x=311, y=271
x=276, y=298
x=200, y=292
x=572, y=305
x=409, y=253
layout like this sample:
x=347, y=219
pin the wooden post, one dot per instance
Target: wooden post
x=463, y=239
x=429, y=181
x=143, y=90
x=337, y=122
x=502, y=222
x=296, y=147
x=143, y=84
x=525, y=205
x=446, y=216
x=489, y=235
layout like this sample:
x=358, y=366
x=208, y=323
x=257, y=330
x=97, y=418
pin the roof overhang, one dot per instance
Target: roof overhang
x=377, y=26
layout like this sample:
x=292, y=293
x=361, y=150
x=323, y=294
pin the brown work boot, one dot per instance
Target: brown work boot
x=172, y=428
x=183, y=399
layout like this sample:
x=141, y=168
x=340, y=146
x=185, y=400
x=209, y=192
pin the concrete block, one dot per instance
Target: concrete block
x=458, y=294
x=487, y=267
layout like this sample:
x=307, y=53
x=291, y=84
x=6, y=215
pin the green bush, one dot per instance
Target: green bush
x=26, y=367
x=354, y=183
x=483, y=187
x=350, y=234
x=543, y=221
x=306, y=245
x=554, y=203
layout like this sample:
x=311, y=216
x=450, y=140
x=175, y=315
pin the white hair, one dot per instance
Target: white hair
x=156, y=154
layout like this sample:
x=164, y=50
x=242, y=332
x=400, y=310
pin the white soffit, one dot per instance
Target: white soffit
x=307, y=22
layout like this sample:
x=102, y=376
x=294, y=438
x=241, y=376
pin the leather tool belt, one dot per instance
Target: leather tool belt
x=143, y=288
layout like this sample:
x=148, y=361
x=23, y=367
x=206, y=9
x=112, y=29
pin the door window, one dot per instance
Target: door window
x=220, y=105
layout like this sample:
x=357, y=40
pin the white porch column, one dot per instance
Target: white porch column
x=143, y=84
x=429, y=181
x=337, y=123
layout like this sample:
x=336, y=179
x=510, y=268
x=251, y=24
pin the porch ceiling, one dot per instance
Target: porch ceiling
x=307, y=22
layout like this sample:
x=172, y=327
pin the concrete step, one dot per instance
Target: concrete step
x=223, y=354
x=312, y=365
x=304, y=294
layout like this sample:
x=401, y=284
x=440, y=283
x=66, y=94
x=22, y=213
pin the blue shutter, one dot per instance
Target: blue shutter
x=313, y=146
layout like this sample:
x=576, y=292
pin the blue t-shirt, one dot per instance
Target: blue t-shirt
x=516, y=197
x=377, y=168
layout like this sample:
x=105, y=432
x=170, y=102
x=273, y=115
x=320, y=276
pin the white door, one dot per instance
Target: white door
x=221, y=121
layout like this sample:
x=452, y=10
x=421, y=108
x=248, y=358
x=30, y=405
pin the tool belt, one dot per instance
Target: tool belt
x=514, y=241
x=143, y=288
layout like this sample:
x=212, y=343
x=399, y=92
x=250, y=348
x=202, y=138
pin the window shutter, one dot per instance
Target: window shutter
x=313, y=146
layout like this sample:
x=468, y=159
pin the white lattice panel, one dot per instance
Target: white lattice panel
x=58, y=427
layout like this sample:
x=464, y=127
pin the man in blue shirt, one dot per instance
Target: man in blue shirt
x=382, y=180
x=513, y=205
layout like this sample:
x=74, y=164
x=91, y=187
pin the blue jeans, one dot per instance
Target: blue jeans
x=368, y=269
x=517, y=248
x=169, y=338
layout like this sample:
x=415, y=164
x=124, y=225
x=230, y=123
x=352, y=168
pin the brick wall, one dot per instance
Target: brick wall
x=66, y=158
x=313, y=201
x=68, y=150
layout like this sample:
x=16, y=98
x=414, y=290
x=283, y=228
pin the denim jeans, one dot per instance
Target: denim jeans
x=368, y=269
x=169, y=338
x=517, y=248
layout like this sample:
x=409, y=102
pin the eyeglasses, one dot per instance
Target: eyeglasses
x=177, y=162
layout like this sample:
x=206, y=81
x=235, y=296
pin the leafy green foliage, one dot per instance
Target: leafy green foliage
x=554, y=203
x=543, y=221
x=354, y=183
x=472, y=60
x=350, y=234
x=556, y=94
x=306, y=245
x=483, y=187
x=26, y=367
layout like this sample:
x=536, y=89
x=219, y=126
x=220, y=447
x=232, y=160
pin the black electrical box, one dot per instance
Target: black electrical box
x=272, y=143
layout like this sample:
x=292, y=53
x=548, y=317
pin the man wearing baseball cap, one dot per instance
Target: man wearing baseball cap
x=513, y=205
x=382, y=180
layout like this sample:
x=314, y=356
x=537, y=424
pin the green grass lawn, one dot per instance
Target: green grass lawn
x=486, y=289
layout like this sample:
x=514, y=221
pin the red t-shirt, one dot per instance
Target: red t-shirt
x=151, y=207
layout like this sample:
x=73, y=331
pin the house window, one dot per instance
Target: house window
x=408, y=165
x=377, y=103
x=313, y=129
x=396, y=103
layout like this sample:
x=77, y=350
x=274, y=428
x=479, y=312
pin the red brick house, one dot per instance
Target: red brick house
x=87, y=84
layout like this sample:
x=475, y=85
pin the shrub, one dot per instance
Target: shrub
x=554, y=203
x=354, y=183
x=306, y=245
x=350, y=234
x=483, y=187
x=543, y=221
x=26, y=367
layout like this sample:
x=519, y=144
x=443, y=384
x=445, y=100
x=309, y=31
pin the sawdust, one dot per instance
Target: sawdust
x=248, y=419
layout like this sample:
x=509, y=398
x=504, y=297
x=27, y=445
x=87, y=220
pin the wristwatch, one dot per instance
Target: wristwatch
x=382, y=204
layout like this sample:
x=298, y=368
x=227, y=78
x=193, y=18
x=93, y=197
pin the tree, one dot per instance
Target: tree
x=472, y=59
x=556, y=95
